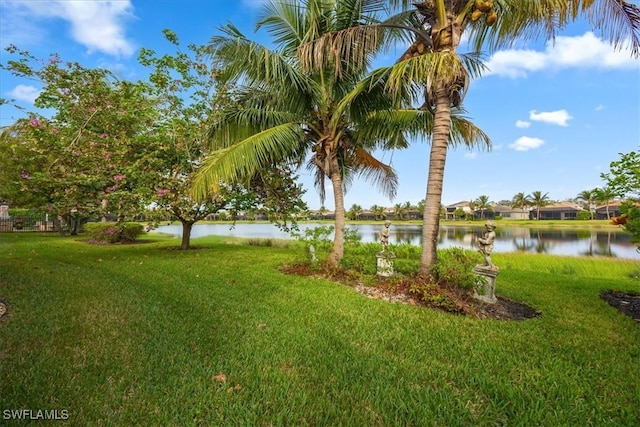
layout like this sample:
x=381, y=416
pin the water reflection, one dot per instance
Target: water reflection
x=606, y=243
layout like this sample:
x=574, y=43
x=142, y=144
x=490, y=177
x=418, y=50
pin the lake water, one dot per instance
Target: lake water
x=554, y=241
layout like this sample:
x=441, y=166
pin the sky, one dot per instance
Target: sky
x=558, y=113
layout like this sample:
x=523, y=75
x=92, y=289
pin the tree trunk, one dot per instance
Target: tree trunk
x=337, y=252
x=186, y=234
x=433, y=200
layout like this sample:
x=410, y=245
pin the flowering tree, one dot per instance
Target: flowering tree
x=86, y=154
x=115, y=148
x=189, y=98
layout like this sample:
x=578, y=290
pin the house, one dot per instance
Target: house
x=608, y=211
x=501, y=211
x=451, y=209
x=559, y=210
x=322, y=214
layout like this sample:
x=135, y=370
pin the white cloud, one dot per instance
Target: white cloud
x=558, y=117
x=600, y=107
x=522, y=124
x=471, y=155
x=98, y=25
x=526, y=143
x=586, y=51
x=25, y=93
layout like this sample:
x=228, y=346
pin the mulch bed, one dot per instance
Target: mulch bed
x=397, y=290
x=626, y=302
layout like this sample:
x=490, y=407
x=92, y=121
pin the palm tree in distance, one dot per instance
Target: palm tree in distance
x=587, y=197
x=604, y=196
x=539, y=200
x=521, y=200
x=398, y=211
x=483, y=204
x=355, y=211
x=432, y=61
x=378, y=212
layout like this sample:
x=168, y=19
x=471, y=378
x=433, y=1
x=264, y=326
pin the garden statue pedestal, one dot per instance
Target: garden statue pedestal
x=385, y=264
x=485, y=288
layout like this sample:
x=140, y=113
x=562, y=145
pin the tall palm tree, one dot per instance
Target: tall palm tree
x=482, y=203
x=539, y=200
x=604, y=196
x=284, y=113
x=433, y=61
x=587, y=197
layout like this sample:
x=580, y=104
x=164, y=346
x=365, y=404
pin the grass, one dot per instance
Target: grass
x=139, y=335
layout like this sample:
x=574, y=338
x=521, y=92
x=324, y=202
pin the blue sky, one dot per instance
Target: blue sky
x=557, y=114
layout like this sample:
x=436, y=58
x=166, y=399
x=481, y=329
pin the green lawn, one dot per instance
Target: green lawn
x=139, y=335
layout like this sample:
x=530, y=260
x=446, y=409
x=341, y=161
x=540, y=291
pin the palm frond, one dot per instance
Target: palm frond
x=240, y=161
x=285, y=23
x=239, y=124
x=373, y=170
x=241, y=58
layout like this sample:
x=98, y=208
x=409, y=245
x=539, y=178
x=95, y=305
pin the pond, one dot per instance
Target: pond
x=553, y=241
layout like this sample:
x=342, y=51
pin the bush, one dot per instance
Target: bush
x=105, y=232
x=583, y=216
x=454, y=268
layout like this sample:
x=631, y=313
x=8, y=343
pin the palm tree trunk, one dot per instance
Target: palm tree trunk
x=433, y=200
x=338, y=196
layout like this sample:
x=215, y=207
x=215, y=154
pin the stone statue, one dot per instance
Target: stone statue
x=384, y=235
x=486, y=243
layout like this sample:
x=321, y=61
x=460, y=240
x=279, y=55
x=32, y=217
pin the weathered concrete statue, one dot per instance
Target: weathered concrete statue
x=486, y=243
x=384, y=235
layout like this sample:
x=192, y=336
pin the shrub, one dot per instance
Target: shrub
x=454, y=268
x=105, y=232
x=583, y=215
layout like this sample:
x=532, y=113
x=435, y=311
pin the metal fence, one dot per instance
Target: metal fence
x=27, y=223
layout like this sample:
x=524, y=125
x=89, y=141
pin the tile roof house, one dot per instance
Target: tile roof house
x=451, y=209
x=559, y=210
x=608, y=211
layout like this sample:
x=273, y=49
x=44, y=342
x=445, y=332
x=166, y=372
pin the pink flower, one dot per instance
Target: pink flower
x=162, y=192
x=103, y=135
x=118, y=177
x=107, y=156
x=36, y=123
x=24, y=175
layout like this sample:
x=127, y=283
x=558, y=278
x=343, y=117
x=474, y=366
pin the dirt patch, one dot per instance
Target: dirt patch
x=399, y=290
x=625, y=302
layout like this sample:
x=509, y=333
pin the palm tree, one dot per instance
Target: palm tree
x=482, y=203
x=398, y=211
x=587, y=197
x=287, y=109
x=284, y=112
x=432, y=60
x=521, y=200
x=604, y=196
x=539, y=200
x=355, y=211
x=378, y=212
